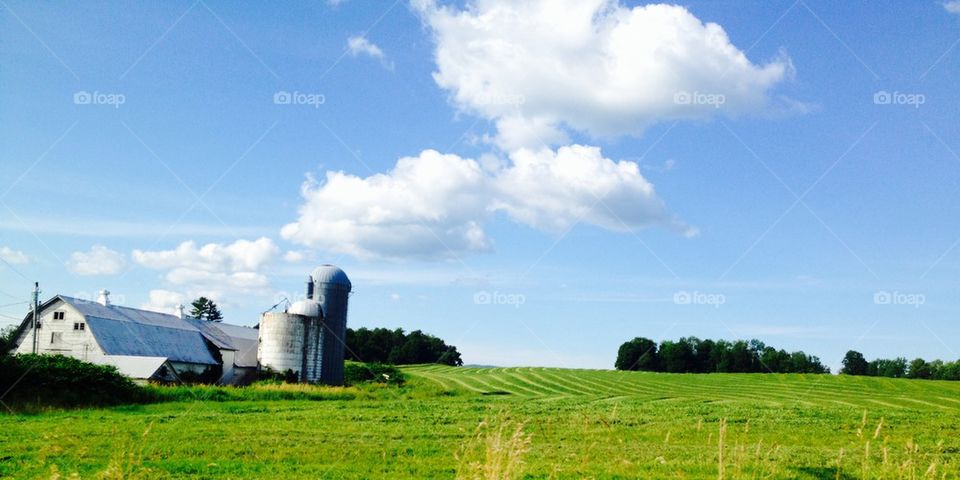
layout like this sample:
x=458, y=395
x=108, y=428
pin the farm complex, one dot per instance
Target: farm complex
x=305, y=341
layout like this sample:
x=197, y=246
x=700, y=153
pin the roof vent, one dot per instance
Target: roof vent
x=103, y=298
x=179, y=311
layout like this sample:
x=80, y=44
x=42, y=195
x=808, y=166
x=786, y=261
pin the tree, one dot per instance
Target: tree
x=677, y=357
x=919, y=368
x=883, y=367
x=854, y=364
x=206, y=309
x=8, y=338
x=381, y=345
x=637, y=354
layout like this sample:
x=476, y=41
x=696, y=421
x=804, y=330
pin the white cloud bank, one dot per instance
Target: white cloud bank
x=99, y=260
x=429, y=205
x=539, y=67
x=214, y=270
x=953, y=6
x=435, y=205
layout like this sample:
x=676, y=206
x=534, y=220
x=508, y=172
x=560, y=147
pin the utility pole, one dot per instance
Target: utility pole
x=36, y=313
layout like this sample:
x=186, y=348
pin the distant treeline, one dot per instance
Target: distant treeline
x=854, y=363
x=692, y=355
x=382, y=345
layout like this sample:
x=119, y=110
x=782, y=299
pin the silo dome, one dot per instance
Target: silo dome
x=330, y=274
x=307, y=308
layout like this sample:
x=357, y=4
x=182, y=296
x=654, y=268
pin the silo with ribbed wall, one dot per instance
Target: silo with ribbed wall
x=331, y=289
x=293, y=340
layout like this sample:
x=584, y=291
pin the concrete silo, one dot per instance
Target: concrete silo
x=293, y=340
x=331, y=289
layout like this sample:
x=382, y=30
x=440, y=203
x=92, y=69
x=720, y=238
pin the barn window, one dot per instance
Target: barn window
x=79, y=326
x=56, y=337
x=59, y=315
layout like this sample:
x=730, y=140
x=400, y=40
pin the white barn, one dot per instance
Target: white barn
x=142, y=344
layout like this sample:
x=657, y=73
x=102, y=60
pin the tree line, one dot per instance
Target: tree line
x=382, y=345
x=854, y=363
x=692, y=355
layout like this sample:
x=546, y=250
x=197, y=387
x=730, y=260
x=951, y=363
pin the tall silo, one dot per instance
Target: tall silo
x=331, y=289
x=293, y=340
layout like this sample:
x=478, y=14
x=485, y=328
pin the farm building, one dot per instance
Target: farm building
x=149, y=345
x=142, y=344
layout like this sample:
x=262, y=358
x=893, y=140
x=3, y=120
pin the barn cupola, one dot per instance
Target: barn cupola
x=179, y=310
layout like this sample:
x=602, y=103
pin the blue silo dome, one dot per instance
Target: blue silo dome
x=330, y=274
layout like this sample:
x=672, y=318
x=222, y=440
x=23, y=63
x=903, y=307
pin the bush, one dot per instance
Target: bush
x=39, y=381
x=270, y=375
x=355, y=373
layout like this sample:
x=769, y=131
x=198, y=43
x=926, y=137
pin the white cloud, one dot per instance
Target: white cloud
x=164, y=301
x=359, y=45
x=294, y=256
x=553, y=190
x=237, y=256
x=953, y=6
x=538, y=68
x=435, y=205
x=99, y=260
x=13, y=257
x=426, y=206
x=395, y=297
x=215, y=270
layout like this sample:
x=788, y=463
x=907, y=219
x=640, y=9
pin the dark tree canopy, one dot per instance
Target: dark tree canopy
x=637, y=354
x=205, y=309
x=395, y=347
x=881, y=367
x=692, y=355
x=854, y=364
x=8, y=338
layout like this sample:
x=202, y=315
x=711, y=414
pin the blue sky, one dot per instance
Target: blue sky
x=803, y=192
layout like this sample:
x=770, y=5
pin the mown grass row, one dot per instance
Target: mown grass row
x=774, y=389
x=544, y=423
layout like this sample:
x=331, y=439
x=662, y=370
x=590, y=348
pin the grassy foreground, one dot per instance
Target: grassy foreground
x=511, y=423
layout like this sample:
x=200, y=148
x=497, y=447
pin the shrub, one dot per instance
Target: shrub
x=355, y=373
x=38, y=381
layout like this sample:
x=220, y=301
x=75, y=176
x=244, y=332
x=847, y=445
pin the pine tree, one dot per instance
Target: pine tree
x=206, y=309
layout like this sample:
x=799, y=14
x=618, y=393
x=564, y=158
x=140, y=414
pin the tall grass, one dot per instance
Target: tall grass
x=495, y=451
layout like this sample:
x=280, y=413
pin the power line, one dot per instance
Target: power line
x=11, y=267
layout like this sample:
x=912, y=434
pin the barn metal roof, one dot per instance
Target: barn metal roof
x=135, y=367
x=231, y=337
x=133, y=332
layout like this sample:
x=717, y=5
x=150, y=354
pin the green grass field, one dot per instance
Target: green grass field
x=517, y=422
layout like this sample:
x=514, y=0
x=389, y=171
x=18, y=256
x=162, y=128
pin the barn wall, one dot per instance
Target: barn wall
x=79, y=344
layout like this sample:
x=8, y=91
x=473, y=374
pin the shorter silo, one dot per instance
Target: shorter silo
x=293, y=340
